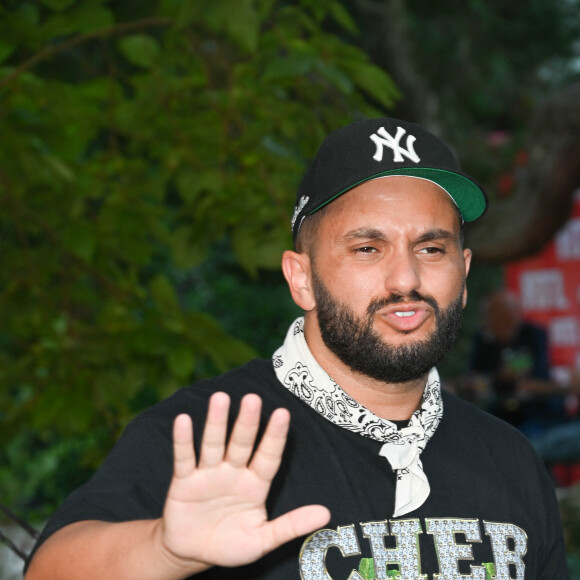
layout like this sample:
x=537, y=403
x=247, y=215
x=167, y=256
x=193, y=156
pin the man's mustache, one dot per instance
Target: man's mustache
x=413, y=296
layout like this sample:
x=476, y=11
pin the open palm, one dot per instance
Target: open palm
x=215, y=510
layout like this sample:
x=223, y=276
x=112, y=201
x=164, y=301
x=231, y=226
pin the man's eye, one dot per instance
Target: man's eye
x=366, y=250
x=432, y=250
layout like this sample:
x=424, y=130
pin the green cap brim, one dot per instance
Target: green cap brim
x=468, y=196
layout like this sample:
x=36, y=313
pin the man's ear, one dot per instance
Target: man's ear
x=296, y=269
x=467, y=261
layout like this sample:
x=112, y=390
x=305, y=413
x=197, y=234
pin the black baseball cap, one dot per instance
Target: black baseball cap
x=380, y=147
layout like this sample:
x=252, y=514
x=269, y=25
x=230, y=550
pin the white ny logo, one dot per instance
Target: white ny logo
x=383, y=139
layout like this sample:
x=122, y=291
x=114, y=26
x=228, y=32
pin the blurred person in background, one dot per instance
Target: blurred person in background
x=510, y=377
x=510, y=359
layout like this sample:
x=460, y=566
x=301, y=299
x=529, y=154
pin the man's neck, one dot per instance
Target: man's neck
x=391, y=401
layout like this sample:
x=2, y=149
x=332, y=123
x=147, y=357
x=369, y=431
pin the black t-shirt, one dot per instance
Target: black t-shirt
x=491, y=501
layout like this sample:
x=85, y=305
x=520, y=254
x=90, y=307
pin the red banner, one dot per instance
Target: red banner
x=548, y=285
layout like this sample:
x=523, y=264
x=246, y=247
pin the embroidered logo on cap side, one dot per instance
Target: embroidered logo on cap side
x=382, y=138
x=299, y=207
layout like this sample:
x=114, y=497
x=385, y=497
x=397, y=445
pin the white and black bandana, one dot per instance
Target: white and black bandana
x=298, y=370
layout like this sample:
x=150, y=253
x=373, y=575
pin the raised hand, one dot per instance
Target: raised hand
x=215, y=513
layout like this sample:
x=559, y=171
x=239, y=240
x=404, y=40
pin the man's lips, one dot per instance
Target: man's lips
x=405, y=317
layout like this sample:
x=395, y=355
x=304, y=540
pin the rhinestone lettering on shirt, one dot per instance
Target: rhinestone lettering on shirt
x=508, y=544
x=449, y=552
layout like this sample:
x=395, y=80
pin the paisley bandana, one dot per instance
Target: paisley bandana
x=298, y=370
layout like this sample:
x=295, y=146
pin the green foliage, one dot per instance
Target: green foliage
x=489, y=570
x=366, y=569
x=136, y=135
x=256, y=309
x=500, y=53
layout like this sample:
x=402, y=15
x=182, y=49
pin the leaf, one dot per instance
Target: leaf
x=211, y=339
x=27, y=15
x=20, y=25
x=366, y=569
x=489, y=570
x=341, y=16
x=244, y=24
x=91, y=15
x=146, y=341
x=58, y=4
x=80, y=240
x=181, y=362
x=265, y=8
x=374, y=81
x=5, y=50
x=191, y=184
x=186, y=253
x=60, y=325
x=293, y=65
x=335, y=76
x=238, y=17
x=255, y=249
x=59, y=166
x=187, y=13
x=274, y=146
x=164, y=295
x=83, y=17
x=140, y=49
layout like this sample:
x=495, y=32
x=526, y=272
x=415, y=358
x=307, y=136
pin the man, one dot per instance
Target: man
x=511, y=355
x=379, y=471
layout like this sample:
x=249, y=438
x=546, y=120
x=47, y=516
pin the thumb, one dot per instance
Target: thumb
x=298, y=522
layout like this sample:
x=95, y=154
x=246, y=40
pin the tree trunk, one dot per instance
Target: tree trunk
x=522, y=223
x=517, y=225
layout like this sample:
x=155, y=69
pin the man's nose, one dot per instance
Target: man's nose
x=402, y=275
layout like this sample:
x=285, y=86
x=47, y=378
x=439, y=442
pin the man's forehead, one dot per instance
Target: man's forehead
x=372, y=213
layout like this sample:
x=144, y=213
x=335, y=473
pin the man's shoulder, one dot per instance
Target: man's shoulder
x=256, y=376
x=465, y=418
x=470, y=440
x=254, y=373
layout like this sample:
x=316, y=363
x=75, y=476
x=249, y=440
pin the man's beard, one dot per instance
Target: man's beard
x=358, y=345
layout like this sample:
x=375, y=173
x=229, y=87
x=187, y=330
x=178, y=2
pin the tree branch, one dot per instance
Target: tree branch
x=24, y=525
x=523, y=223
x=52, y=50
x=12, y=546
x=392, y=49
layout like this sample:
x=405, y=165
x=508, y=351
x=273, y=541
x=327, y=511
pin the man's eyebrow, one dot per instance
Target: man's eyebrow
x=374, y=234
x=437, y=234
x=363, y=234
